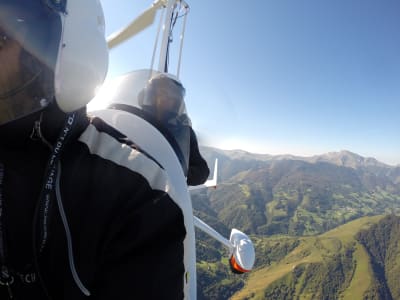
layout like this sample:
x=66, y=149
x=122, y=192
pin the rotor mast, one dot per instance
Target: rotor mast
x=171, y=4
x=170, y=7
x=167, y=22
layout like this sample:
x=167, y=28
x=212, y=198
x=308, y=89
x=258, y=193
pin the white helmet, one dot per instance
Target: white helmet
x=83, y=54
x=63, y=38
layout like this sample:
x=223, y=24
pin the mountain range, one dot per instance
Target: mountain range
x=264, y=194
x=298, y=198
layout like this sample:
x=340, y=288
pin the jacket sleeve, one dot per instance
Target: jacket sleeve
x=198, y=169
x=143, y=258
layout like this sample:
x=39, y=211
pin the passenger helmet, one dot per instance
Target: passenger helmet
x=163, y=99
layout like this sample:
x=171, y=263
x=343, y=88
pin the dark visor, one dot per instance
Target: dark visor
x=35, y=25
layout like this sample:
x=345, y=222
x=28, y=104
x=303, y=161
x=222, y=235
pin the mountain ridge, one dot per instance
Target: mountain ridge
x=342, y=157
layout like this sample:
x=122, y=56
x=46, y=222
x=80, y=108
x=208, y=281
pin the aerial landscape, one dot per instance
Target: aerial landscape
x=324, y=227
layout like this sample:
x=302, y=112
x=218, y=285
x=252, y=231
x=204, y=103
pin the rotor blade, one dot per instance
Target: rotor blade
x=136, y=26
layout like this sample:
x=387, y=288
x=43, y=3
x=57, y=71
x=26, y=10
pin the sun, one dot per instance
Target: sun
x=102, y=98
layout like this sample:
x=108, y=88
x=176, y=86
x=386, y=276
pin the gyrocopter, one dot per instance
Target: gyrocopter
x=119, y=104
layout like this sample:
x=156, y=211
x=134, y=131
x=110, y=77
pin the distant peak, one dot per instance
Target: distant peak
x=349, y=159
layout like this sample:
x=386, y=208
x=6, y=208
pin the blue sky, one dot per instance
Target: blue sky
x=303, y=77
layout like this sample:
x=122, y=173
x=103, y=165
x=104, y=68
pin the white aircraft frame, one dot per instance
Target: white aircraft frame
x=148, y=138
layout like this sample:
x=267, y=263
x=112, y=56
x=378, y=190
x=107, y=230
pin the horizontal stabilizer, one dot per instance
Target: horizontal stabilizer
x=241, y=248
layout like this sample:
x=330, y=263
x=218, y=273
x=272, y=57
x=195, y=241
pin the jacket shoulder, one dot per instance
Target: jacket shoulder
x=106, y=142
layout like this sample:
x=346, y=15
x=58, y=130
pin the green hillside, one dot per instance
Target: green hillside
x=359, y=260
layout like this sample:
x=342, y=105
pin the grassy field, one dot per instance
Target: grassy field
x=317, y=249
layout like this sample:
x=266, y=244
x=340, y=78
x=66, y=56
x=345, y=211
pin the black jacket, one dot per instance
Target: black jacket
x=127, y=233
x=198, y=170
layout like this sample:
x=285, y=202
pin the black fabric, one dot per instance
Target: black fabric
x=127, y=237
x=198, y=171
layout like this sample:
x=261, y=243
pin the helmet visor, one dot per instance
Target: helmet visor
x=164, y=98
x=30, y=34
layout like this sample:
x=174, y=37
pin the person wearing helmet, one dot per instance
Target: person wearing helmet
x=83, y=214
x=163, y=99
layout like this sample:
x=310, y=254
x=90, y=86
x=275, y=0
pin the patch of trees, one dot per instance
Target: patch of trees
x=382, y=242
x=273, y=251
